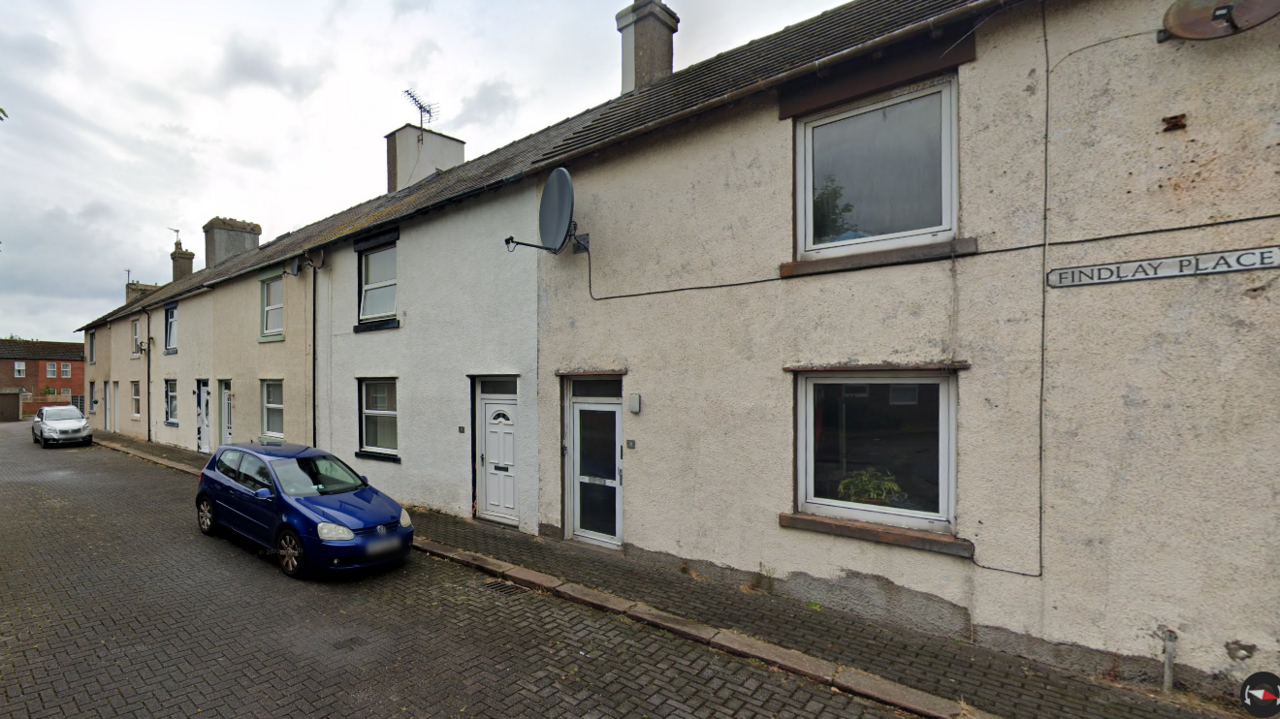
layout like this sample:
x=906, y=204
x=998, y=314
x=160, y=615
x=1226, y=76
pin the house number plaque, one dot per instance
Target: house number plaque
x=1258, y=258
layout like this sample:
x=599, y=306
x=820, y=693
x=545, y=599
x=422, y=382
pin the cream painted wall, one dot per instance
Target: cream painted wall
x=1157, y=493
x=466, y=307
x=116, y=363
x=218, y=333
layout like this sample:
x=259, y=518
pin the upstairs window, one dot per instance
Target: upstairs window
x=273, y=306
x=66, y=369
x=136, y=392
x=878, y=175
x=93, y=346
x=171, y=328
x=51, y=369
x=378, y=284
x=137, y=338
x=19, y=369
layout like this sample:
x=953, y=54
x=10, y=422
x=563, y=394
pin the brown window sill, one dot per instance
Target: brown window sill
x=897, y=536
x=959, y=247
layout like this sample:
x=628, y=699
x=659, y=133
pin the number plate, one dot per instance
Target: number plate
x=382, y=546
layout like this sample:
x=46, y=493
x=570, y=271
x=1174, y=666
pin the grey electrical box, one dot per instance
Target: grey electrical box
x=634, y=403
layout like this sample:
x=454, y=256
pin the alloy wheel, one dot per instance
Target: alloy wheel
x=204, y=515
x=289, y=550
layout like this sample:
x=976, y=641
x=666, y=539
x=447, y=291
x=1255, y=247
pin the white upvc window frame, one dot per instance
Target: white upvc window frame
x=266, y=308
x=365, y=412
x=944, y=519
x=19, y=368
x=93, y=346
x=66, y=370
x=93, y=398
x=265, y=406
x=365, y=288
x=135, y=389
x=137, y=337
x=171, y=401
x=65, y=391
x=171, y=328
x=805, y=248
x=51, y=370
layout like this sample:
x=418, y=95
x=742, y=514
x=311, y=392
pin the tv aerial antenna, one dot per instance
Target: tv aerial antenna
x=427, y=111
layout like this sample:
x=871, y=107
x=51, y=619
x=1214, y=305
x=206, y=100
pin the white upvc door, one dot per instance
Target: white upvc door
x=225, y=390
x=106, y=406
x=596, y=453
x=496, y=495
x=203, y=433
x=115, y=406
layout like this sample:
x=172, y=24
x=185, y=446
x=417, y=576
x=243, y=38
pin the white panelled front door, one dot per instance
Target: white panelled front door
x=496, y=491
x=106, y=406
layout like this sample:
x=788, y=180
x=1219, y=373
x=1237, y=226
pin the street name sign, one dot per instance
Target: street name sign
x=1257, y=258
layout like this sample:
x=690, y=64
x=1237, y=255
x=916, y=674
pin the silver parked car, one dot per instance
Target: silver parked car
x=57, y=425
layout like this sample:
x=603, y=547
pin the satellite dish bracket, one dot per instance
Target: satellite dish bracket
x=581, y=243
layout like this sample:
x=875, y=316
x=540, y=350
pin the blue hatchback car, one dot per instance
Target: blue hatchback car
x=306, y=505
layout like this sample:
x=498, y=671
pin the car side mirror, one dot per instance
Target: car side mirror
x=364, y=479
x=263, y=493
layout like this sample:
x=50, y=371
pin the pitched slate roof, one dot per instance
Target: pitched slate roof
x=37, y=350
x=756, y=66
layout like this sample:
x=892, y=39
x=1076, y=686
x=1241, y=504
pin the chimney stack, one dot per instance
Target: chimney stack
x=182, y=260
x=415, y=152
x=647, y=27
x=225, y=238
x=134, y=290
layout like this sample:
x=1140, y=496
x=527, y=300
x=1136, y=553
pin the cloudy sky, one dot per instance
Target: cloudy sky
x=128, y=117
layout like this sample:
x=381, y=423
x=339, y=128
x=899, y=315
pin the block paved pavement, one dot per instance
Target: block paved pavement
x=113, y=604
x=995, y=682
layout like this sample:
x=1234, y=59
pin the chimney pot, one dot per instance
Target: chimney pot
x=225, y=238
x=647, y=28
x=182, y=261
x=415, y=152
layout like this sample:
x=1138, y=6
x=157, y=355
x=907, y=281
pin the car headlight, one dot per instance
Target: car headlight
x=50, y=430
x=329, y=530
x=405, y=519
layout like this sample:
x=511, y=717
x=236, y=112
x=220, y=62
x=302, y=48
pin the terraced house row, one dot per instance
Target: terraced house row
x=832, y=317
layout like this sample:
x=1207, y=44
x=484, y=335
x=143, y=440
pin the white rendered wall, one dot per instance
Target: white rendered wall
x=467, y=307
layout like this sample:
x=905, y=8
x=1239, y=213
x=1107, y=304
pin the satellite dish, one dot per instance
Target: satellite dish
x=1210, y=19
x=556, y=212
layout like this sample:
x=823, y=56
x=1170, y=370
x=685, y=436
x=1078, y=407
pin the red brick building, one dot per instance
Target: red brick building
x=32, y=367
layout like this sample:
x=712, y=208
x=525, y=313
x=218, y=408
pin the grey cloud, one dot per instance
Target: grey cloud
x=402, y=7
x=30, y=52
x=252, y=159
x=494, y=101
x=420, y=57
x=248, y=62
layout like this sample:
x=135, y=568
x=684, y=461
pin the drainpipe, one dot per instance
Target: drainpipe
x=150, y=341
x=315, y=402
x=1170, y=653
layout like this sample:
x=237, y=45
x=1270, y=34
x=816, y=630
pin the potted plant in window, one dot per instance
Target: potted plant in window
x=868, y=486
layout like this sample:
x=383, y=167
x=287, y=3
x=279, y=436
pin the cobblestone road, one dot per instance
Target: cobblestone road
x=113, y=604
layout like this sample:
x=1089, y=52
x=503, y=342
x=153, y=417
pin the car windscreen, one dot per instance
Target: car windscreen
x=54, y=414
x=310, y=476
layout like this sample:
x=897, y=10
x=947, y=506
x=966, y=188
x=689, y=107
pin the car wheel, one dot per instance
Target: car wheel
x=43, y=444
x=34, y=438
x=204, y=515
x=88, y=441
x=289, y=554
